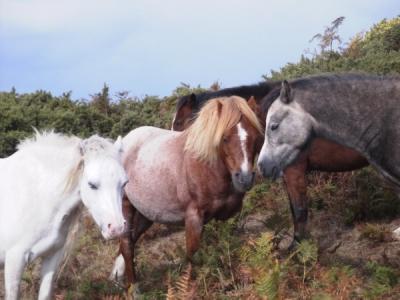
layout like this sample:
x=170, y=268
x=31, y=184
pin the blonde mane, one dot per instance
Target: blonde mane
x=216, y=117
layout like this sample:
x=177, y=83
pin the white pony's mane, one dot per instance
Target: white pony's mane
x=48, y=139
x=47, y=144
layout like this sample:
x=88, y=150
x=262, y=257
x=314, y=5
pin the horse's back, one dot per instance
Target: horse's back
x=153, y=166
x=138, y=136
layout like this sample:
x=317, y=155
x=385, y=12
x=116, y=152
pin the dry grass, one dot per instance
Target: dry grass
x=351, y=254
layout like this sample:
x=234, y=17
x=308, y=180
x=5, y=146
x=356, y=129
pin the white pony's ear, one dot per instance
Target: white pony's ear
x=118, y=144
x=82, y=147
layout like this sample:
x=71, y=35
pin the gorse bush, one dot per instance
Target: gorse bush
x=377, y=51
x=100, y=114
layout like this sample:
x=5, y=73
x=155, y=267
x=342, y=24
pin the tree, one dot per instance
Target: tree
x=101, y=101
x=329, y=36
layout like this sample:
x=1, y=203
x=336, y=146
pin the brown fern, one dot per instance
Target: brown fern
x=171, y=290
x=184, y=288
x=183, y=284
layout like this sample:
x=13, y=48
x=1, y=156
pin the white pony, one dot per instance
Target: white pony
x=41, y=188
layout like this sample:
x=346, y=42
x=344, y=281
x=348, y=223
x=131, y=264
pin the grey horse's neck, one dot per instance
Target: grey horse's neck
x=362, y=113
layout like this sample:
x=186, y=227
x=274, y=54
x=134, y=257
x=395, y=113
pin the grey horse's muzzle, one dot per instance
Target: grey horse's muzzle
x=268, y=168
x=243, y=181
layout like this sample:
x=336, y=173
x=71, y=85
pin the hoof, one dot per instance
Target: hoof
x=134, y=291
x=293, y=245
x=117, y=274
x=396, y=234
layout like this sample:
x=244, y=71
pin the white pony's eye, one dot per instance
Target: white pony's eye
x=274, y=126
x=93, y=186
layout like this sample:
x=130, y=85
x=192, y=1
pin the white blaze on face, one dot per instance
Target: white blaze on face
x=242, y=133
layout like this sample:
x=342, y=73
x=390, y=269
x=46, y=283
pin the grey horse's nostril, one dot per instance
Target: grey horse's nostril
x=237, y=174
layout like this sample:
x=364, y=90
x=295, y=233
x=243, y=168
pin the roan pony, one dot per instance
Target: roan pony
x=188, y=177
x=42, y=186
x=354, y=110
x=322, y=155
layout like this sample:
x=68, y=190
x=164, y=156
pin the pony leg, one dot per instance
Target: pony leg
x=125, y=242
x=14, y=266
x=296, y=186
x=193, y=230
x=50, y=265
x=137, y=224
x=140, y=225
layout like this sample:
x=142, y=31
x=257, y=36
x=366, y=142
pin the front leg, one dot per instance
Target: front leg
x=50, y=266
x=136, y=225
x=194, y=220
x=14, y=266
x=126, y=243
x=296, y=186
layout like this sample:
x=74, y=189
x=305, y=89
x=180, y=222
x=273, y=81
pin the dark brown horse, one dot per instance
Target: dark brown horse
x=188, y=177
x=321, y=155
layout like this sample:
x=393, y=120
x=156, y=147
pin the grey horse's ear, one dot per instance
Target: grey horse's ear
x=286, y=93
x=118, y=144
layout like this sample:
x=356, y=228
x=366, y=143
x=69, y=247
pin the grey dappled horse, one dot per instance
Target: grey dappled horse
x=358, y=111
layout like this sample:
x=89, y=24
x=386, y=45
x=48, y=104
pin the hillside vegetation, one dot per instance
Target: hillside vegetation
x=351, y=253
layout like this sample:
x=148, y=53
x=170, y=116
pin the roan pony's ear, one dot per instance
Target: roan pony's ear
x=286, y=93
x=118, y=144
x=219, y=108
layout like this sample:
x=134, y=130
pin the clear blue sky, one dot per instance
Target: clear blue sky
x=150, y=46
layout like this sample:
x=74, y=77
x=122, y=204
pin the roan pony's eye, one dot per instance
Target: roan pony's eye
x=93, y=186
x=274, y=126
x=225, y=139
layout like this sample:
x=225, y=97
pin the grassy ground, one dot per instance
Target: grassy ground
x=350, y=254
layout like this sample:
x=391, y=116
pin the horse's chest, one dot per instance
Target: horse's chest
x=222, y=207
x=52, y=237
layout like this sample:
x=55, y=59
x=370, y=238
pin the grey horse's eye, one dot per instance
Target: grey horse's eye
x=274, y=126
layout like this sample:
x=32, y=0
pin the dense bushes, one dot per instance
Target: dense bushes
x=101, y=114
x=376, y=51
